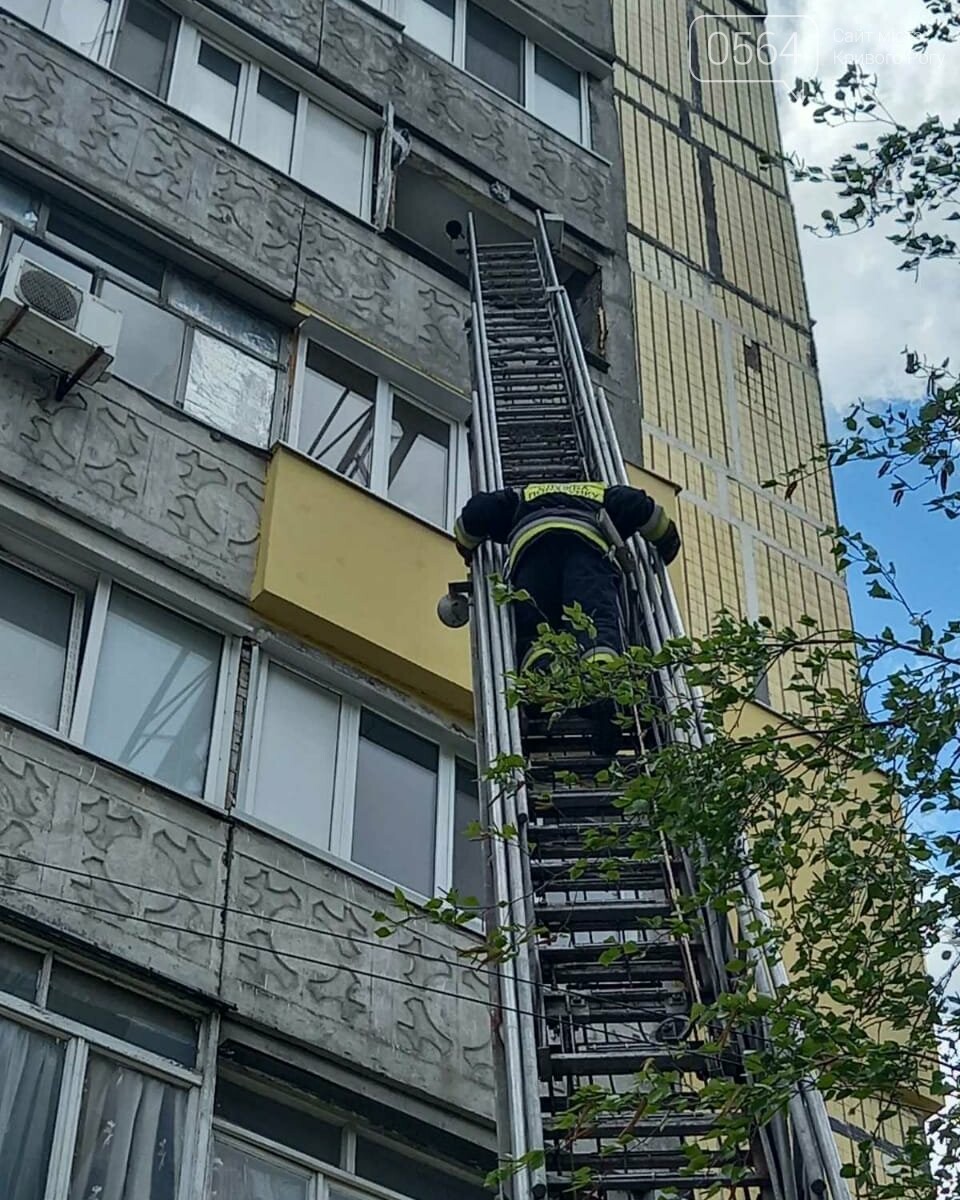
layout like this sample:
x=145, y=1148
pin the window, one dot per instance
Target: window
x=145, y=45
x=39, y=621
x=92, y=1063
x=268, y=1146
x=180, y=342
x=129, y=679
x=291, y=131
x=154, y=692
x=332, y=773
x=346, y=418
x=79, y=23
x=395, y=805
x=466, y=34
x=149, y=44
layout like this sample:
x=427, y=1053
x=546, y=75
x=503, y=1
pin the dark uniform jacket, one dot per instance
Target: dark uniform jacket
x=517, y=517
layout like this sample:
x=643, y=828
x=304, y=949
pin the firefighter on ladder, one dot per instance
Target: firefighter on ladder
x=561, y=540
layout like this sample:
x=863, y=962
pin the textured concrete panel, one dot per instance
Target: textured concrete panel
x=383, y=295
x=93, y=853
x=444, y=102
x=141, y=470
x=296, y=25
x=89, y=126
x=302, y=958
x=585, y=20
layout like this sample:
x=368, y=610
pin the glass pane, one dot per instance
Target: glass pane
x=334, y=152
x=431, y=22
x=337, y=414
x=19, y=969
x=53, y=262
x=151, y=343
x=468, y=875
x=155, y=688
x=411, y=1177
x=144, y=49
x=29, y=1088
x=130, y=1140
x=112, y=1009
x=297, y=757
x=106, y=247
x=34, y=634
x=213, y=309
x=494, y=52
x=269, y=117
x=33, y=11
x=556, y=94
x=212, y=98
x=79, y=23
x=17, y=202
x=281, y=1123
x=229, y=390
x=419, y=461
x=241, y=1174
x=395, y=812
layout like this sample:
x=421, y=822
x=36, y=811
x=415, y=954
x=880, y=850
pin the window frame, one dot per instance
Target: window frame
x=215, y=777
x=185, y=58
x=528, y=66
x=344, y=1173
x=83, y=658
x=450, y=747
x=72, y=657
x=458, y=460
x=79, y=1041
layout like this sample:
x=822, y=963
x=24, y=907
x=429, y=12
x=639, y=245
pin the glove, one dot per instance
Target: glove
x=668, y=545
x=465, y=554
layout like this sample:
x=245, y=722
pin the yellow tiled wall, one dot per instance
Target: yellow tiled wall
x=729, y=389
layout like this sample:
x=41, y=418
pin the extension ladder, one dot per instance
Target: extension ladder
x=566, y=1016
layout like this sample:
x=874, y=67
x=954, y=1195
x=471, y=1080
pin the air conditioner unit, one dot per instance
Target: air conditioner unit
x=56, y=321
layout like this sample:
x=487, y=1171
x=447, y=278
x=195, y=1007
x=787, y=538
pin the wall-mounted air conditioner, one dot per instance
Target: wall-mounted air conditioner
x=52, y=319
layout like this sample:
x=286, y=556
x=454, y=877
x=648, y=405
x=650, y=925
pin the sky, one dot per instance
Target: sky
x=865, y=311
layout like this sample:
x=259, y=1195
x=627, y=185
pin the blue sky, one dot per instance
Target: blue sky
x=865, y=311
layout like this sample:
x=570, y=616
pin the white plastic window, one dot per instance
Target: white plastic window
x=360, y=426
x=471, y=37
x=80, y=23
x=88, y=1113
x=39, y=631
x=154, y=692
x=329, y=772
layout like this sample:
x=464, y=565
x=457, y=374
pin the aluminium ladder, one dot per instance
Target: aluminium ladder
x=564, y=1017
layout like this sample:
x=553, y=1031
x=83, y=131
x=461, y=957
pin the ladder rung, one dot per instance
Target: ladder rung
x=600, y=915
x=621, y=1059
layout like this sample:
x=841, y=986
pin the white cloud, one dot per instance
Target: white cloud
x=866, y=311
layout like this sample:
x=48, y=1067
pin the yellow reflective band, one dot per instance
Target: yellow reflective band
x=657, y=526
x=534, y=654
x=464, y=538
x=556, y=525
x=587, y=491
x=599, y=655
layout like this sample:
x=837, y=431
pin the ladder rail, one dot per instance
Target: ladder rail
x=493, y=644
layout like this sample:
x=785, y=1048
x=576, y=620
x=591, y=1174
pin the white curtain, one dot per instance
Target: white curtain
x=31, y=1066
x=130, y=1140
x=243, y=1175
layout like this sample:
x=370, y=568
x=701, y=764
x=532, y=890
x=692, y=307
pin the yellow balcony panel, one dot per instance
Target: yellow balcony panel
x=351, y=573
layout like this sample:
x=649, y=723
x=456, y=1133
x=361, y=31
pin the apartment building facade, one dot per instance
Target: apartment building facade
x=230, y=723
